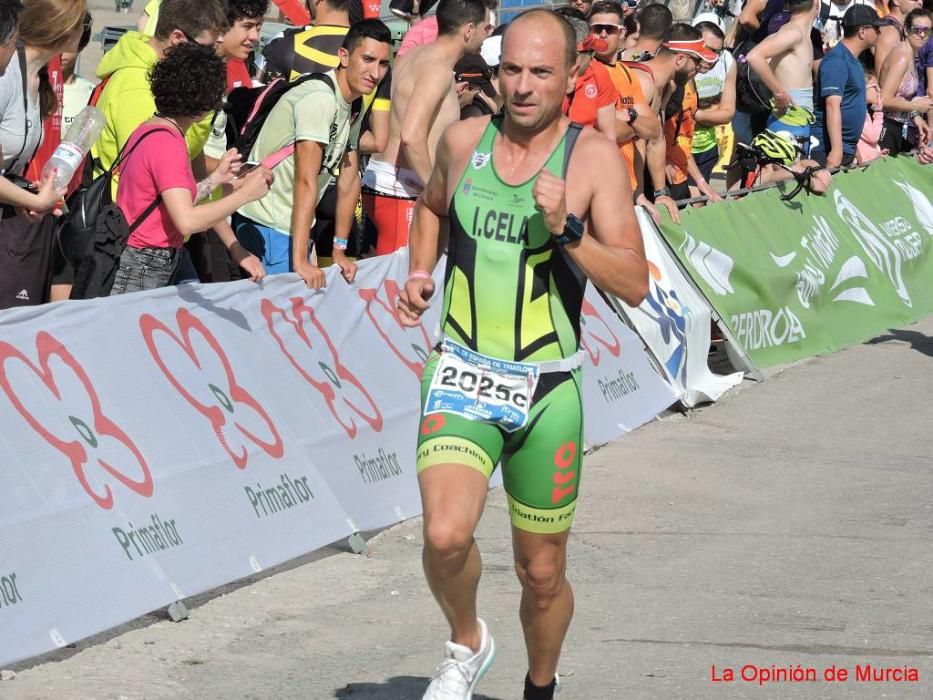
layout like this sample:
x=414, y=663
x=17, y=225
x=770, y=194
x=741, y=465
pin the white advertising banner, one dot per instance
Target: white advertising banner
x=621, y=389
x=675, y=321
x=160, y=444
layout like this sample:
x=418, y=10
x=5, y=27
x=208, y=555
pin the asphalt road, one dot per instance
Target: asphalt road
x=788, y=524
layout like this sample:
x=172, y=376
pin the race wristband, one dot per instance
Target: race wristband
x=340, y=243
x=419, y=275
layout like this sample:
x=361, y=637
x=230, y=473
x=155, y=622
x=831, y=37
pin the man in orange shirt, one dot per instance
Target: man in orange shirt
x=634, y=118
x=593, y=98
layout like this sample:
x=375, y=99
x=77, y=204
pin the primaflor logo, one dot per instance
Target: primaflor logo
x=197, y=366
x=308, y=347
x=58, y=401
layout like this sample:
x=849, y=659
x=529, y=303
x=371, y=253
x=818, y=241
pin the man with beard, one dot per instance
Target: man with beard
x=530, y=220
x=424, y=103
x=678, y=61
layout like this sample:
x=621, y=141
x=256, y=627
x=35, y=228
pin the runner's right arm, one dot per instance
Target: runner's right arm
x=424, y=239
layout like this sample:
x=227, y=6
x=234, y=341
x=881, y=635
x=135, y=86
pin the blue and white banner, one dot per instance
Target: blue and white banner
x=160, y=444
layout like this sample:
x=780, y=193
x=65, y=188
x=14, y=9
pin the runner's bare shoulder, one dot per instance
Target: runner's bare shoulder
x=460, y=139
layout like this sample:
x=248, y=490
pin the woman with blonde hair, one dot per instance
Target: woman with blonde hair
x=46, y=28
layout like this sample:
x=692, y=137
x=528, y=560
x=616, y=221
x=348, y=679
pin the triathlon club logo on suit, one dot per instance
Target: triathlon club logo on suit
x=230, y=408
x=77, y=425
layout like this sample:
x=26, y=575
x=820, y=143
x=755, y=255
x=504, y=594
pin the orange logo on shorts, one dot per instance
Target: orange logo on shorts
x=563, y=459
x=432, y=423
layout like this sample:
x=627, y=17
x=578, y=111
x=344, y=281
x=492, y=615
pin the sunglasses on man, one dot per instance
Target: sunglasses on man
x=609, y=29
x=919, y=31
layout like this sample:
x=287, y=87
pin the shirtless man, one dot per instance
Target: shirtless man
x=424, y=103
x=577, y=222
x=784, y=60
x=679, y=59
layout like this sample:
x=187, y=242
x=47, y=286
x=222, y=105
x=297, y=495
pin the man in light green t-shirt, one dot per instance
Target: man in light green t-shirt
x=306, y=137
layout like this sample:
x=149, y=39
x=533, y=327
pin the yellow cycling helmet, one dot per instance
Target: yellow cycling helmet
x=781, y=146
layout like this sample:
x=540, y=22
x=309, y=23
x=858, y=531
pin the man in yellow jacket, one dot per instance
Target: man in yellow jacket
x=126, y=100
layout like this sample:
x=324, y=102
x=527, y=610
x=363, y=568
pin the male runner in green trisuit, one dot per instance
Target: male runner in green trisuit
x=505, y=383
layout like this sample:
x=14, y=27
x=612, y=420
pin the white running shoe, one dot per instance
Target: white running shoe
x=461, y=669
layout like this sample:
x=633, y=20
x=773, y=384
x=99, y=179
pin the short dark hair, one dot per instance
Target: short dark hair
x=192, y=17
x=9, y=18
x=569, y=13
x=189, y=82
x=86, y=34
x=712, y=28
x=246, y=9
x=681, y=31
x=454, y=14
x=654, y=21
x=570, y=38
x=796, y=7
x=607, y=7
x=338, y=5
x=367, y=29
x=914, y=14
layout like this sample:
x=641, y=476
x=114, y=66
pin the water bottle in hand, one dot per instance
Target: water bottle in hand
x=67, y=158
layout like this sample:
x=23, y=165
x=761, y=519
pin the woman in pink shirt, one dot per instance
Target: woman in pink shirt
x=157, y=192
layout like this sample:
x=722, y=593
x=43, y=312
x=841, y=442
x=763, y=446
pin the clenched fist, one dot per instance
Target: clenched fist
x=548, y=192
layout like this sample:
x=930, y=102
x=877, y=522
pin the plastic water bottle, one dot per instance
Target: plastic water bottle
x=83, y=133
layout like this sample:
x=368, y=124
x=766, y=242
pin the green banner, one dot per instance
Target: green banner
x=795, y=279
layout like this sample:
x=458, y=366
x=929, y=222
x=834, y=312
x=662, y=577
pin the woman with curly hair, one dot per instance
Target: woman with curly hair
x=157, y=191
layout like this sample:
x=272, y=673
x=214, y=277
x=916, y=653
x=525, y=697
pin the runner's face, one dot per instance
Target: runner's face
x=582, y=5
x=533, y=77
x=608, y=26
x=366, y=66
x=241, y=38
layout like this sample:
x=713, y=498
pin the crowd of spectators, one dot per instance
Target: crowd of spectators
x=340, y=159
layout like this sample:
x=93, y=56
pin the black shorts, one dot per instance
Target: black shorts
x=819, y=155
x=25, y=259
x=325, y=216
x=898, y=137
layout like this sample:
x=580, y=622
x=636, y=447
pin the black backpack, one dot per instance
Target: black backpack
x=76, y=228
x=752, y=96
x=247, y=109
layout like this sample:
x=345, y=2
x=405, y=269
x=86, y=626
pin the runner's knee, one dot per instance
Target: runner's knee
x=449, y=539
x=543, y=577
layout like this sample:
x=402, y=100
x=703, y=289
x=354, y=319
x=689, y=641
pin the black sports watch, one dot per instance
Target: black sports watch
x=663, y=192
x=632, y=115
x=573, y=231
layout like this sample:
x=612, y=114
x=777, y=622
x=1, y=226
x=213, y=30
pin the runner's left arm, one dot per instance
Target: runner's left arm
x=611, y=253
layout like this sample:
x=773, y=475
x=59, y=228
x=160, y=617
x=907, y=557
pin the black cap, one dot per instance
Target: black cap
x=475, y=71
x=861, y=16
